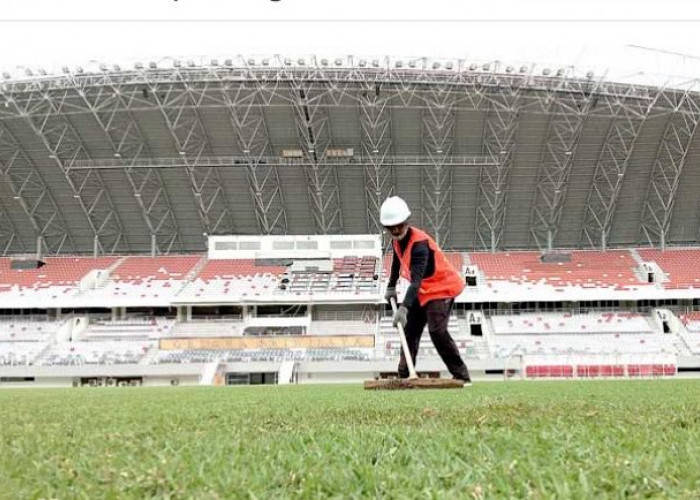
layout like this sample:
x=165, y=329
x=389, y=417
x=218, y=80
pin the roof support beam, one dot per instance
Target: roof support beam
x=9, y=243
x=568, y=115
x=246, y=115
x=178, y=105
x=500, y=130
x=44, y=114
x=313, y=131
x=629, y=116
x=109, y=105
x=33, y=195
x=438, y=121
x=668, y=167
x=375, y=126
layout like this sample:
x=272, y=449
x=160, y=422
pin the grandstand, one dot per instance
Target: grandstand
x=197, y=224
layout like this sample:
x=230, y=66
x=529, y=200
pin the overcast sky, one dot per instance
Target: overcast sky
x=640, y=40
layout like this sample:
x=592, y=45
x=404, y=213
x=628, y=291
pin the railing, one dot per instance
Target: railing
x=243, y=161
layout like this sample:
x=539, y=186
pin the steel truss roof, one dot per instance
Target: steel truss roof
x=154, y=160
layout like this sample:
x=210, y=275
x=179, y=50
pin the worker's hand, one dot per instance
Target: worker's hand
x=391, y=294
x=400, y=316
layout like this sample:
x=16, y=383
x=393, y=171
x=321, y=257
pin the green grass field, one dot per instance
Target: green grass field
x=603, y=439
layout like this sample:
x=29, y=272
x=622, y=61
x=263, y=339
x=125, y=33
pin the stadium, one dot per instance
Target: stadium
x=197, y=224
x=217, y=224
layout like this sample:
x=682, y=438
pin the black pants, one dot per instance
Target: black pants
x=436, y=314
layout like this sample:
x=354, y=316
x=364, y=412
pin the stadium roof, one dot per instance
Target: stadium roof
x=488, y=157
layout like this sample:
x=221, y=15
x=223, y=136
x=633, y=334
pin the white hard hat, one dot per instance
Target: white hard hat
x=394, y=211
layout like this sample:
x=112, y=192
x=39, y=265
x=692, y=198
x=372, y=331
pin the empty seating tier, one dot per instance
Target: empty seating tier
x=588, y=269
x=102, y=353
x=691, y=321
x=138, y=269
x=20, y=353
x=505, y=346
x=58, y=271
x=681, y=266
x=543, y=323
x=234, y=278
x=19, y=330
x=218, y=269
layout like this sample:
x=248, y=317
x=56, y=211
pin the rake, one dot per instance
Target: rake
x=413, y=381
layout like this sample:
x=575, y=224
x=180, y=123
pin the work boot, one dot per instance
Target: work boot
x=467, y=381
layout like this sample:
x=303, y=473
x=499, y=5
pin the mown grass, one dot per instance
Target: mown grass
x=593, y=439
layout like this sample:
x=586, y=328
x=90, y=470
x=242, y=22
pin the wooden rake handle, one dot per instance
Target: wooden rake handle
x=406, y=352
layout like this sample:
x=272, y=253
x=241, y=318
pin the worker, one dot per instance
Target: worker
x=434, y=285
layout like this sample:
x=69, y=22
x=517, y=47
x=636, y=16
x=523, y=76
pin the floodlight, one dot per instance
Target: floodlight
x=486, y=67
x=363, y=63
x=411, y=64
x=510, y=69
x=546, y=71
x=560, y=72
x=590, y=75
x=152, y=65
x=28, y=72
x=301, y=61
x=398, y=64
x=65, y=69
x=190, y=63
x=214, y=62
x=339, y=62
x=375, y=63
x=472, y=67
x=103, y=67
x=138, y=65
x=448, y=65
x=324, y=62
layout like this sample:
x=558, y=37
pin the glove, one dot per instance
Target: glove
x=391, y=293
x=400, y=316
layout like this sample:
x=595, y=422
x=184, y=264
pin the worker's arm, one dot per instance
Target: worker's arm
x=395, y=268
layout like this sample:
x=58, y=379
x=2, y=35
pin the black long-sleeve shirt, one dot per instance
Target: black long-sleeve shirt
x=422, y=266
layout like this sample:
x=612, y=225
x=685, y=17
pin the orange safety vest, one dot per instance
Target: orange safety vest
x=445, y=283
